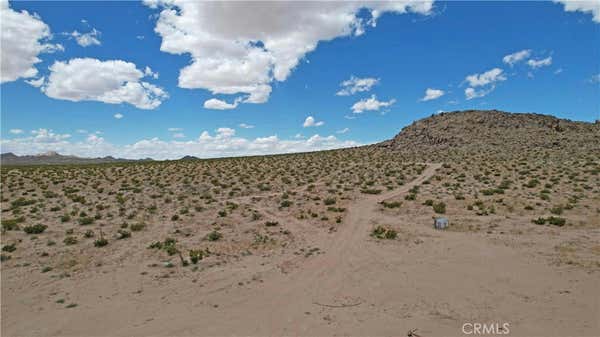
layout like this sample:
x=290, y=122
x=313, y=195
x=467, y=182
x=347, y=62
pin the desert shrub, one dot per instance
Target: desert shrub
x=329, y=201
x=410, y=196
x=9, y=248
x=197, y=255
x=168, y=245
x=175, y=217
x=382, y=232
x=137, y=227
x=392, y=204
x=70, y=240
x=86, y=220
x=532, y=183
x=12, y=224
x=123, y=234
x=22, y=202
x=370, y=191
x=556, y=221
x=285, y=203
x=214, y=236
x=222, y=213
x=439, y=207
x=35, y=229
x=492, y=191
x=428, y=202
x=89, y=233
x=271, y=223
x=558, y=210
x=65, y=218
x=101, y=242
x=539, y=221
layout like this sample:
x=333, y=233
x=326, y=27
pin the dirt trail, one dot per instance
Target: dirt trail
x=353, y=285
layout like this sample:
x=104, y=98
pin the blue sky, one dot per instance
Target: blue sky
x=90, y=62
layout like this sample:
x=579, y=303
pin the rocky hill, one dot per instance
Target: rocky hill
x=496, y=133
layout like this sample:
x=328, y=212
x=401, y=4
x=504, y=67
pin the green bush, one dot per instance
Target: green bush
x=382, y=232
x=393, y=204
x=556, y=221
x=370, y=191
x=70, y=240
x=35, y=229
x=539, y=221
x=197, y=255
x=9, y=248
x=22, y=202
x=85, y=221
x=439, y=207
x=329, y=201
x=100, y=242
x=12, y=224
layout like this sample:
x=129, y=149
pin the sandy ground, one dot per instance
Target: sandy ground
x=430, y=280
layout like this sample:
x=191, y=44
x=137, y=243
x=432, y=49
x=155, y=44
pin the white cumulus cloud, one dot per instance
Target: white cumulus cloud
x=355, y=84
x=118, y=115
x=590, y=6
x=310, y=122
x=485, y=81
x=218, y=104
x=90, y=38
x=243, y=47
x=471, y=93
x=540, y=63
x=489, y=77
x=24, y=36
x=246, y=126
x=370, y=104
x=516, y=57
x=431, y=94
x=16, y=131
x=113, y=81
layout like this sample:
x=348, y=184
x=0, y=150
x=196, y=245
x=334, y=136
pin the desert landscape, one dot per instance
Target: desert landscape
x=324, y=243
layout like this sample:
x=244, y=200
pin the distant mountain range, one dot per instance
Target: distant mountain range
x=54, y=158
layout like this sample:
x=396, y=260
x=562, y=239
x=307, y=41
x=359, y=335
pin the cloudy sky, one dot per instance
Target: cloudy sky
x=164, y=79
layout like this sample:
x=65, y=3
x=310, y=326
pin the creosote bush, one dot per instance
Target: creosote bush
x=382, y=232
x=35, y=229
